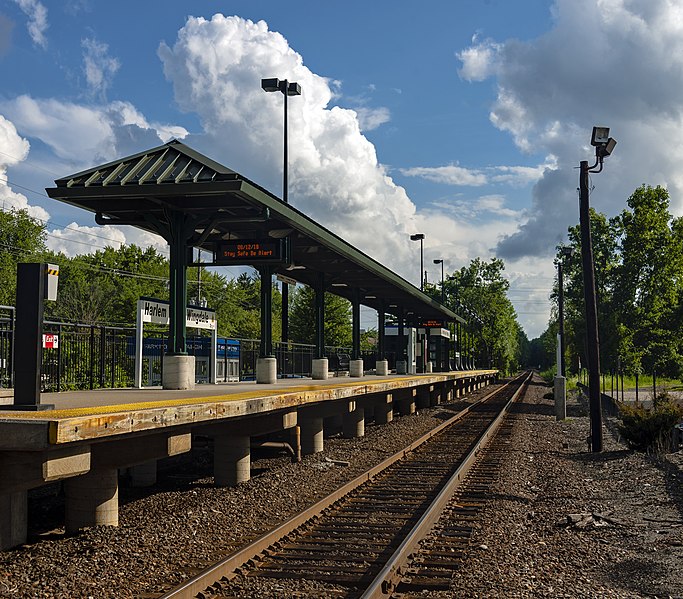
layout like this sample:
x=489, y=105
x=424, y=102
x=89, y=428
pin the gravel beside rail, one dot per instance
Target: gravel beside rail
x=628, y=544
x=185, y=524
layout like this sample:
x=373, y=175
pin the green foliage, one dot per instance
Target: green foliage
x=22, y=239
x=302, y=318
x=638, y=260
x=482, y=287
x=650, y=429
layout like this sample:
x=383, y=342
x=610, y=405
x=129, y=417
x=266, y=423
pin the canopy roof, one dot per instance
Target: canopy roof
x=147, y=189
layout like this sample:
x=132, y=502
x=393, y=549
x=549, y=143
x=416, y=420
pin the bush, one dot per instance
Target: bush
x=649, y=429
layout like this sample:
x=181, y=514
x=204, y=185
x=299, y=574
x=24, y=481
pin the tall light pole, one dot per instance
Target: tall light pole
x=604, y=145
x=287, y=88
x=443, y=290
x=420, y=237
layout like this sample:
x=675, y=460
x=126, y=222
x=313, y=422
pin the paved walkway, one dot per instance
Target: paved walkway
x=109, y=397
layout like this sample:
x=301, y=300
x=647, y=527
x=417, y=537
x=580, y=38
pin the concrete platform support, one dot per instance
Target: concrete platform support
x=178, y=372
x=231, y=460
x=354, y=424
x=312, y=435
x=382, y=368
x=356, y=368
x=143, y=475
x=266, y=371
x=320, y=369
x=423, y=397
x=435, y=396
x=92, y=500
x=384, y=412
x=401, y=367
x=13, y=519
x=429, y=367
x=560, y=393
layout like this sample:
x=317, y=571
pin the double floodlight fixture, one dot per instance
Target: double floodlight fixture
x=417, y=237
x=290, y=88
x=567, y=251
x=604, y=144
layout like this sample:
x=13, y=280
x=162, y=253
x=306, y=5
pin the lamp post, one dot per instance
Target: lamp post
x=604, y=145
x=420, y=237
x=287, y=88
x=443, y=290
x=565, y=253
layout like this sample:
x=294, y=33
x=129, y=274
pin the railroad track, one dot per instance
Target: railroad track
x=364, y=540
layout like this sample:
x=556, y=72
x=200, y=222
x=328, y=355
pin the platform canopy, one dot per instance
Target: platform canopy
x=193, y=201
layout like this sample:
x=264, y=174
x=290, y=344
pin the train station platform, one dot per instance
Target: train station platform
x=90, y=436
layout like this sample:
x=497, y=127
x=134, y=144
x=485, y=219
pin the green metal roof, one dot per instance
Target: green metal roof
x=146, y=188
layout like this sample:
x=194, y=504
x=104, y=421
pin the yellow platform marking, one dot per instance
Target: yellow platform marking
x=186, y=401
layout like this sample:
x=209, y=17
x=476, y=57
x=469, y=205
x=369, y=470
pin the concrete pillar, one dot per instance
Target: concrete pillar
x=231, y=460
x=354, y=424
x=92, y=500
x=401, y=366
x=382, y=368
x=319, y=369
x=429, y=367
x=435, y=396
x=143, y=475
x=266, y=371
x=384, y=412
x=312, y=435
x=560, y=393
x=356, y=368
x=178, y=372
x=13, y=519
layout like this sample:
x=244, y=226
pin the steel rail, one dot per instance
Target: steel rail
x=390, y=575
x=225, y=568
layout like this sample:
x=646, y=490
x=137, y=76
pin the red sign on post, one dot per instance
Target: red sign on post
x=50, y=341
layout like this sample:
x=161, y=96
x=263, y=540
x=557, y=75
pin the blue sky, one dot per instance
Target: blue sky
x=461, y=119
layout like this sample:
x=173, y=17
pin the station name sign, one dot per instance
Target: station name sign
x=250, y=251
x=158, y=312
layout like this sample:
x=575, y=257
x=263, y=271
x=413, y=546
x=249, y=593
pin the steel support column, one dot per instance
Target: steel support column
x=177, y=342
x=355, y=324
x=320, y=316
x=266, y=274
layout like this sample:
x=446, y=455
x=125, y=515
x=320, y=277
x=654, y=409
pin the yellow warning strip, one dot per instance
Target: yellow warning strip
x=185, y=401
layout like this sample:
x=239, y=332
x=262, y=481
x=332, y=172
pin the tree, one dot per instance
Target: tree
x=649, y=284
x=481, y=286
x=302, y=318
x=22, y=239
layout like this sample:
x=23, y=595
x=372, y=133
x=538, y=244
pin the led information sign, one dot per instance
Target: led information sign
x=432, y=324
x=250, y=251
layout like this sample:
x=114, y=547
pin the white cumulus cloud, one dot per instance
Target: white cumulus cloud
x=216, y=65
x=84, y=134
x=625, y=71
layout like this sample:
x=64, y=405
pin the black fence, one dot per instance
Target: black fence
x=80, y=356
x=6, y=346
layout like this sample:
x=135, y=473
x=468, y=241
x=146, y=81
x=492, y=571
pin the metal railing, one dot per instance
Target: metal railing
x=87, y=356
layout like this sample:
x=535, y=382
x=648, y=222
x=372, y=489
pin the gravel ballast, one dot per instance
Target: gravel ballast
x=524, y=546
